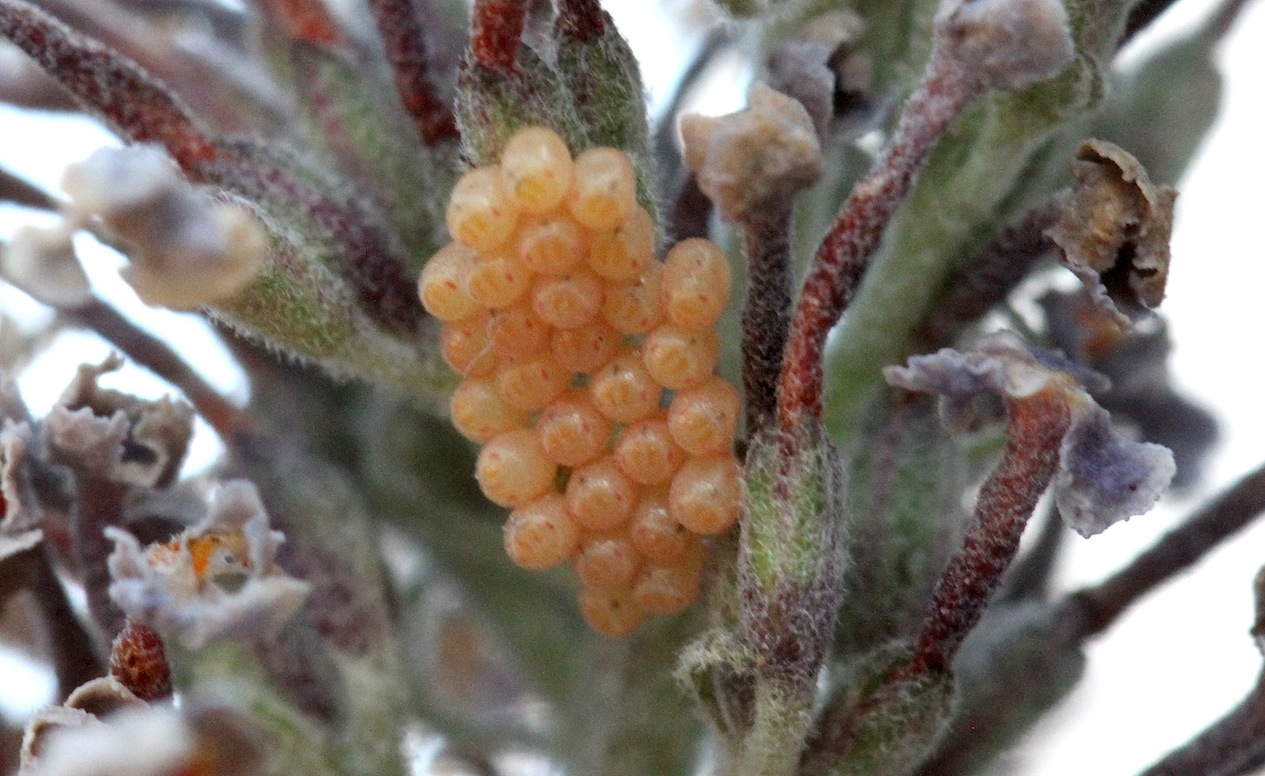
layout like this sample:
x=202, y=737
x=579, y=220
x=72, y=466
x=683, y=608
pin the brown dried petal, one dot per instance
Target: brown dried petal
x=1114, y=231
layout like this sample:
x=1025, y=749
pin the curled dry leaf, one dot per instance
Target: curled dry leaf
x=1114, y=231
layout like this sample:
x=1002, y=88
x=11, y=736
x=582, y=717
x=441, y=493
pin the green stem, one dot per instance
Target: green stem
x=952, y=210
x=781, y=723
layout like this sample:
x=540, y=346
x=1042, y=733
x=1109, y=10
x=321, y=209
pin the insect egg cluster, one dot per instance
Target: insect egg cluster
x=588, y=375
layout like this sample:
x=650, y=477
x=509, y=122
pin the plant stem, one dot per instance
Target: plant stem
x=845, y=252
x=987, y=279
x=1006, y=500
x=495, y=29
x=404, y=40
x=766, y=314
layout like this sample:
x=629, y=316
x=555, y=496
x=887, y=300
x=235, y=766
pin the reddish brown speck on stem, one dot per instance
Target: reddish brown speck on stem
x=308, y=21
x=1006, y=501
x=495, y=29
x=846, y=250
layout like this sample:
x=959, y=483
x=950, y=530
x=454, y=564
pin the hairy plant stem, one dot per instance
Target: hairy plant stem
x=987, y=279
x=74, y=658
x=945, y=90
x=766, y=313
x=581, y=20
x=1029, y=577
x=495, y=29
x=781, y=722
x=404, y=40
x=1006, y=500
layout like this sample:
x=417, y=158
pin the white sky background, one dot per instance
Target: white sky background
x=1178, y=660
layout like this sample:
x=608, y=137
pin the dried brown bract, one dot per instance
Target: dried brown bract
x=1115, y=229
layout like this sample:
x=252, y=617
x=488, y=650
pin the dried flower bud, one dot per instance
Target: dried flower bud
x=115, y=435
x=42, y=262
x=139, y=662
x=800, y=71
x=1102, y=477
x=1114, y=231
x=217, y=579
x=186, y=249
x=755, y=159
x=1006, y=44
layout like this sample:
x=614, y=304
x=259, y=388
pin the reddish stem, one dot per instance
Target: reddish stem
x=495, y=29
x=846, y=250
x=405, y=43
x=129, y=99
x=581, y=19
x=1006, y=500
x=765, y=313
